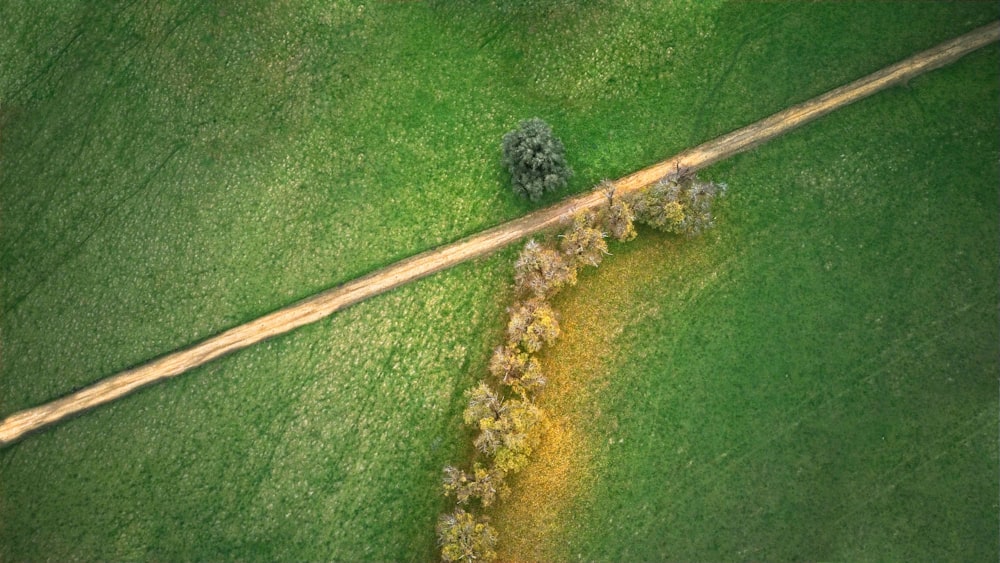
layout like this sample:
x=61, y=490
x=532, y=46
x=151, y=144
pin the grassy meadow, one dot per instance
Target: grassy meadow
x=168, y=171
x=817, y=378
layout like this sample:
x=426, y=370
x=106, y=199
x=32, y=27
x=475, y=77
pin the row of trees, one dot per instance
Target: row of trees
x=502, y=409
x=677, y=204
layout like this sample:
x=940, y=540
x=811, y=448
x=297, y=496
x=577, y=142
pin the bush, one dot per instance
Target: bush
x=536, y=159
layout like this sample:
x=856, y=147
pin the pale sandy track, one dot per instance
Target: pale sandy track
x=314, y=308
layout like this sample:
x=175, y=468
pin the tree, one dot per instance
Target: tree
x=535, y=158
x=582, y=243
x=517, y=439
x=619, y=220
x=485, y=411
x=541, y=271
x=466, y=538
x=681, y=205
x=453, y=479
x=532, y=325
x=517, y=369
x=484, y=483
x=504, y=427
x=659, y=206
x=483, y=403
x=697, y=198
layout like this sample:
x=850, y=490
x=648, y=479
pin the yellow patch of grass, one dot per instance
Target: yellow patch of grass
x=531, y=520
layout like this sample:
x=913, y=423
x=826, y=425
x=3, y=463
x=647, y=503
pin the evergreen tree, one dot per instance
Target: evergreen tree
x=535, y=158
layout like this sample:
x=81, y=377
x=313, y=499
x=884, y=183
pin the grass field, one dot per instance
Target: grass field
x=168, y=171
x=816, y=379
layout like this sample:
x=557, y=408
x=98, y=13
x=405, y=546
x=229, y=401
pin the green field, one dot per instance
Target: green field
x=817, y=379
x=169, y=170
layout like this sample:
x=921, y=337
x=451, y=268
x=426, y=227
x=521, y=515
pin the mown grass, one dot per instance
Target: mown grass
x=172, y=170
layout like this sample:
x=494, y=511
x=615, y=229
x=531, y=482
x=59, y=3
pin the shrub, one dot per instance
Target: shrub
x=535, y=158
x=463, y=537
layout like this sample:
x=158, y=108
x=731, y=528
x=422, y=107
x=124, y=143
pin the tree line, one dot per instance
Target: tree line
x=501, y=409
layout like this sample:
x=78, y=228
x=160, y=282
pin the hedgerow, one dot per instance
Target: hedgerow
x=506, y=417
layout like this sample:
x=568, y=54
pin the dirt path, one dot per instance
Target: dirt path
x=314, y=308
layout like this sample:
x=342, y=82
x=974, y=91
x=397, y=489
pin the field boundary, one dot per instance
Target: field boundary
x=319, y=306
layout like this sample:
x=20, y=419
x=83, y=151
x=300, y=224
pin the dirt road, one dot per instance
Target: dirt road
x=314, y=308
